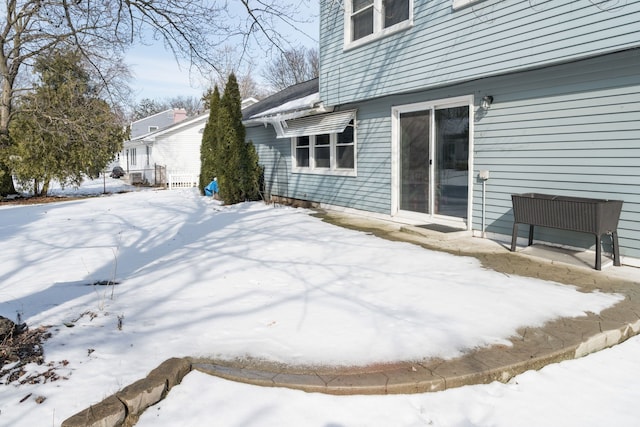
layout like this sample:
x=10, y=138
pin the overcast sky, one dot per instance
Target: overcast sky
x=157, y=75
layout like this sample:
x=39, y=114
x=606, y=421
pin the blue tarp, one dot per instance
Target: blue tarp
x=212, y=188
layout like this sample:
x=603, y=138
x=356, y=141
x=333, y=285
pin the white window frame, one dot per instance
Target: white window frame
x=153, y=128
x=133, y=157
x=333, y=168
x=396, y=111
x=378, y=24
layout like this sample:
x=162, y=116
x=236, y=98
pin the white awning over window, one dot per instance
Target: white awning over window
x=316, y=124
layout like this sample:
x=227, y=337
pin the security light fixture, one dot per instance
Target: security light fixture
x=487, y=100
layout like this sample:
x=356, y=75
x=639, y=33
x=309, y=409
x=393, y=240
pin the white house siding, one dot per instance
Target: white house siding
x=176, y=148
x=134, y=161
x=179, y=150
x=447, y=46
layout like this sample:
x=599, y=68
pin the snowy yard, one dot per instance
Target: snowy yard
x=200, y=279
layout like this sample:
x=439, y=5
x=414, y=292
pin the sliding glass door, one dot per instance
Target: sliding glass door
x=432, y=143
x=414, y=161
x=452, y=161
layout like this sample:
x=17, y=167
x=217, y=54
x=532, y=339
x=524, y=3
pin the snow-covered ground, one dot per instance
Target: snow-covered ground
x=200, y=279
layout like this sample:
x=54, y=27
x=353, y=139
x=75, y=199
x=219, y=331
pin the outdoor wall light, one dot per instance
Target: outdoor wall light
x=487, y=100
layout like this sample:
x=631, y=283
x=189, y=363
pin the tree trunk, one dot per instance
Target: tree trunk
x=45, y=188
x=6, y=179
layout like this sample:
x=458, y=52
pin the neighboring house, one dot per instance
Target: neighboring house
x=164, y=149
x=157, y=121
x=170, y=155
x=145, y=126
x=418, y=99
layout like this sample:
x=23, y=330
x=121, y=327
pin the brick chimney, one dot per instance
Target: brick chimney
x=179, y=114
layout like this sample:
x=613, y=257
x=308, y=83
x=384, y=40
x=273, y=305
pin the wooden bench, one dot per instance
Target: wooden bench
x=594, y=216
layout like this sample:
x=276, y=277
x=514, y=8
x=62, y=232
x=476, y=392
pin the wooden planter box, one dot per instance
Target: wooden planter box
x=594, y=216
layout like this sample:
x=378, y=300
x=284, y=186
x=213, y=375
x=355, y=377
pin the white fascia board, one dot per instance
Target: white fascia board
x=281, y=117
x=177, y=126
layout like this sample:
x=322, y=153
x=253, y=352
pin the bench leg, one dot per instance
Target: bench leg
x=616, y=248
x=530, y=235
x=598, y=253
x=514, y=236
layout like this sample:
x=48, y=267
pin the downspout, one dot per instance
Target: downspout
x=484, y=197
x=484, y=176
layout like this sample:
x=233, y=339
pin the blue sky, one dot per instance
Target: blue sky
x=157, y=75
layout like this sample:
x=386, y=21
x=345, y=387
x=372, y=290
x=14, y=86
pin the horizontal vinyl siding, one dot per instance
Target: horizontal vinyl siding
x=179, y=151
x=488, y=38
x=160, y=121
x=571, y=129
x=274, y=156
x=369, y=190
x=568, y=130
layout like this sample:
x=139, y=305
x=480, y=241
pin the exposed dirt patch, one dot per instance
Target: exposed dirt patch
x=20, y=349
x=38, y=200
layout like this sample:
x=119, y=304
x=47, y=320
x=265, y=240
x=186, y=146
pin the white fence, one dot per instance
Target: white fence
x=182, y=180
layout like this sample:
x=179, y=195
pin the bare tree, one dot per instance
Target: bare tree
x=249, y=87
x=191, y=29
x=292, y=66
x=147, y=107
x=313, y=59
x=191, y=104
x=235, y=62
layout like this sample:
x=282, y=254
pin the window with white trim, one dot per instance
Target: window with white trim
x=302, y=144
x=132, y=156
x=345, y=148
x=367, y=20
x=328, y=153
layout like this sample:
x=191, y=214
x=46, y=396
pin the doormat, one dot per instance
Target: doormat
x=440, y=228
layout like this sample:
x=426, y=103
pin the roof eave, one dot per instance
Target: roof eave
x=281, y=117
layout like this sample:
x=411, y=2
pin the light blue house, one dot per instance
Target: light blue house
x=437, y=111
x=157, y=121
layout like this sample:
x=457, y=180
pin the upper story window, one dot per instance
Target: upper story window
x=361, y=19
x=153, y=128
x=367, y=20
x=395, y=12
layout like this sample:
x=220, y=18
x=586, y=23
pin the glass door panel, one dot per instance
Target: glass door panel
x=414, y=161
x=452, y=161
